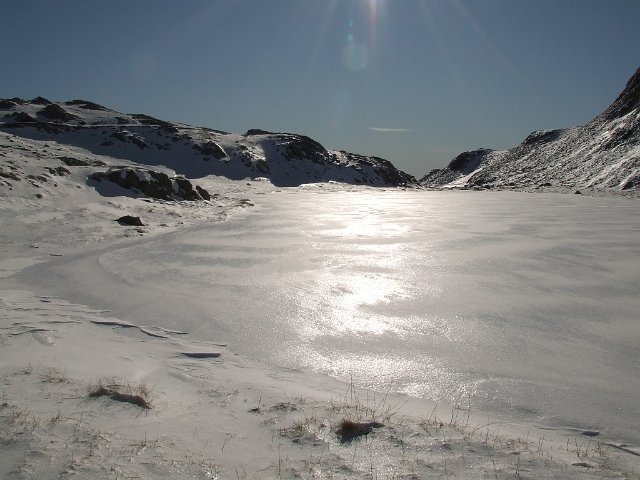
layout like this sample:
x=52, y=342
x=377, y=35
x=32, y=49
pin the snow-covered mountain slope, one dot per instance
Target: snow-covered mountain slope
x=56, y=197
x=604, y=154
x=286, y=159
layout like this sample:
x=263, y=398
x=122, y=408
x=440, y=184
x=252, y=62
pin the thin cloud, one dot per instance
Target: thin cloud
x=390, y=130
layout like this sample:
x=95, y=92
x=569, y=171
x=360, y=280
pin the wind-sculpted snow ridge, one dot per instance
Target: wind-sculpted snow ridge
x=284, y=158
x=604, y=154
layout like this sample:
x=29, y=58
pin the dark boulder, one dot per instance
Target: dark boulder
x=203, y=193
x=130, y=220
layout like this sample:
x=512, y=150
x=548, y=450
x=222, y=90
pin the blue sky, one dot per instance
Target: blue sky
x=413, y=81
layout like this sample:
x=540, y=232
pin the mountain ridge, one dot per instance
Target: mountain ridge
x=286, y=159
x=603, y=154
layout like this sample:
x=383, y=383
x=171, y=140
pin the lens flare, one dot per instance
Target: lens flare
x=355, y=56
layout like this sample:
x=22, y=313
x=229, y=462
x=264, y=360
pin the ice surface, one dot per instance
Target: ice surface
x=524, y=304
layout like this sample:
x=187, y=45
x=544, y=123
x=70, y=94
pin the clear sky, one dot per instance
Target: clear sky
x=413, y=81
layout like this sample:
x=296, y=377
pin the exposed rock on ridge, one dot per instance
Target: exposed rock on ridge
x=286, y=159
x=603, y=154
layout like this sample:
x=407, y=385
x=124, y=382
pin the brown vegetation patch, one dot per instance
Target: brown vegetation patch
x=114, y=393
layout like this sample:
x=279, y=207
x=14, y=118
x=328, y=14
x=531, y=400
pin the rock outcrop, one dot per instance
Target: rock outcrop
x=153, y=184
x=56, y=112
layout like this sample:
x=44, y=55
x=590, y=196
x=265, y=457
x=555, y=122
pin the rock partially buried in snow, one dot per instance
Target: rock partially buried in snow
x=201, y=354
x=349, y=430
x=130, y=220
x=153, y=184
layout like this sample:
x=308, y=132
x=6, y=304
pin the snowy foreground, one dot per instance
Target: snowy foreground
x=519, y=318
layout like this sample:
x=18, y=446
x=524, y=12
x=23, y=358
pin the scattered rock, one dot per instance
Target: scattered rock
x=130, y=220
x=9, y=175
x=59, y=171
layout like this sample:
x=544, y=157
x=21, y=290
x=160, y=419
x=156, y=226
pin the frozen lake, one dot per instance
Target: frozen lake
x=522, y=304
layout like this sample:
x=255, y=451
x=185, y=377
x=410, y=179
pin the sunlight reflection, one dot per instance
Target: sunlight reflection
x=361, y=251
x=397, y=373
x=342, y=299
x=364, y=220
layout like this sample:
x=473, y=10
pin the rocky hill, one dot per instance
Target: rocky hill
x=286, y=159
x=604, y=154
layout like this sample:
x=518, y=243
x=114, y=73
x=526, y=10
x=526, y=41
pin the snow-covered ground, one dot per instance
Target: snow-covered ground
x=516, y=313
